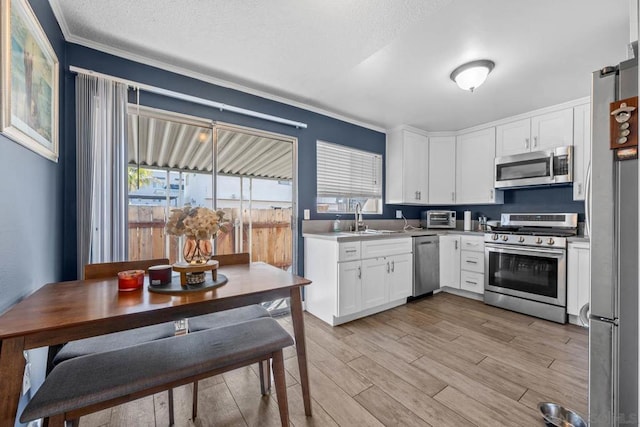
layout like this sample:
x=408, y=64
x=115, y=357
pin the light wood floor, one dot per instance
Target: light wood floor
x=439, y=361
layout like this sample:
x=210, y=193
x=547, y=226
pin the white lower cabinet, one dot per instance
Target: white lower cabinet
x=450, y=261
x=343, y=288
x=374, y=282
x=401, y=276
x=578, y=277
x=350, y=279
x=462, y=263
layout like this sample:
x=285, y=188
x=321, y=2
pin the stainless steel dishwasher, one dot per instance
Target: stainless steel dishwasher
x=426, y=265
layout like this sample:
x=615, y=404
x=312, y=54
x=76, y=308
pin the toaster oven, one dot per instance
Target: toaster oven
x=438, y=219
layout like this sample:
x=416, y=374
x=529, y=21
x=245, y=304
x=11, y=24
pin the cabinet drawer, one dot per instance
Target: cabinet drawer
x=472, y=261
x=473, y=282
x=472, y=243
x=374, y=248
x=348, y=251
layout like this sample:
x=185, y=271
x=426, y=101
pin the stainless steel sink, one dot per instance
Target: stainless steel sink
x=372, y=232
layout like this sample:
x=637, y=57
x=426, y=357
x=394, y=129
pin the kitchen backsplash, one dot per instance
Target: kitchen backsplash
x=538, y=199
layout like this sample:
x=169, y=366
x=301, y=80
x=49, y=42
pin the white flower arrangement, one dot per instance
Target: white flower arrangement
x=196, y=222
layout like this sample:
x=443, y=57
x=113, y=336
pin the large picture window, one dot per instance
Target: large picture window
x=346, y=177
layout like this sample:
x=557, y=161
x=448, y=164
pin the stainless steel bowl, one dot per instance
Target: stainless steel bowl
x=558, y=416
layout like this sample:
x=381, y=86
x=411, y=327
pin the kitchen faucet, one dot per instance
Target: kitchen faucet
x=358, y=223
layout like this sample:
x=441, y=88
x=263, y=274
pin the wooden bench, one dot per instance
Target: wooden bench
x=90, y=383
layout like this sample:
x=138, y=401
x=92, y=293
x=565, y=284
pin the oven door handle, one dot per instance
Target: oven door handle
x=521, y=251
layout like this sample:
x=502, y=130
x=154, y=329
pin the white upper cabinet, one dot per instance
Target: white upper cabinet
x=442, y=170
x=540, y=132
x=581, y=149
x=475, y=154
x=407, y=172
x=552, y=130
x=513, y=138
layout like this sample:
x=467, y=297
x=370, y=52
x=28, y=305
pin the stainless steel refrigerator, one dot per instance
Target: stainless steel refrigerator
x=613, y=217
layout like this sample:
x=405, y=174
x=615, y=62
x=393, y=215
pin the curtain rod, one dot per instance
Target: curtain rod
x=190, y=98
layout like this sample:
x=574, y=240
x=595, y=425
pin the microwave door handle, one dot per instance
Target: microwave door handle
x=551, y=174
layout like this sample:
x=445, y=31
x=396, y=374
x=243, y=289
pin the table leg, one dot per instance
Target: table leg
x=301, y=347
x=11, y=370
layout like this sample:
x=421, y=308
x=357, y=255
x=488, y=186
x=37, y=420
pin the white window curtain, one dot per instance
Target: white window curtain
x=101, y=147
x=347, y=172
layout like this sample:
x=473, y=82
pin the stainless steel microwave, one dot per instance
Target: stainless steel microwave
x=554, y=166
x=438, y=219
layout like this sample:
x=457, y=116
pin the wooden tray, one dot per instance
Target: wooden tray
x=184, y=269
x=175, y=288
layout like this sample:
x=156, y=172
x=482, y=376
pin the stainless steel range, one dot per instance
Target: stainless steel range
x=526, y=263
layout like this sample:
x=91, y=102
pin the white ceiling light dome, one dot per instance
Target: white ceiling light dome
x=472, y=74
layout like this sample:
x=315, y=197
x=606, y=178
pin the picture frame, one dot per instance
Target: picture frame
x=29, y=80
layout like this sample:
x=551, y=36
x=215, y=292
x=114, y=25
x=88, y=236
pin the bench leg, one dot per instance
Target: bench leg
x=281, y=387
x=265, y=376
x=194, y=407
x=56, y=421
x=170, y=398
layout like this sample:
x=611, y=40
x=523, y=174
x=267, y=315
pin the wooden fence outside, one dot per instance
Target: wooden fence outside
x=271, y=235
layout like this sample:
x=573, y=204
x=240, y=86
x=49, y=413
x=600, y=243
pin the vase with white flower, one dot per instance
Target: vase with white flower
x=199, y=225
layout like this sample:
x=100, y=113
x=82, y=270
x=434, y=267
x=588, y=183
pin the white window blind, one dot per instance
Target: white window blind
x=347, y=172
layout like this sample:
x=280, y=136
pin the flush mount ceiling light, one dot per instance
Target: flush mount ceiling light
x=472, y=74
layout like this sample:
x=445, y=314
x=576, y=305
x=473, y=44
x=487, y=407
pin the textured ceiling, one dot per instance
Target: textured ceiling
x=379, y=62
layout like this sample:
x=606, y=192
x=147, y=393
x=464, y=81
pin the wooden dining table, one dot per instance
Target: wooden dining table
x=61, y=312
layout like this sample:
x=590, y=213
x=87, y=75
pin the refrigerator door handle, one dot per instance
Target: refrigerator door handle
x=587, y=201
x=584, y=315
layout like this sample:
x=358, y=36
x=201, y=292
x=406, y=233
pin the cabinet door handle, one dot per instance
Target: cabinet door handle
x=359, y=272
x=387, y=266
x=350, y=251
x=419, y=195
x=453, y=196
x=471, y=262
x=471, y=283
x=393, y=266
x=526, y=143
x=535, y=141
x=456, y=244
x=579, y=188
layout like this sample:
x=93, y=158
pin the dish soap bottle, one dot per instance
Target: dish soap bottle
x=336, y=223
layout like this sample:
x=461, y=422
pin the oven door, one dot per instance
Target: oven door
x=538, y=274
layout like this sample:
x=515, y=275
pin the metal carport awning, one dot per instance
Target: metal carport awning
x=156, y=141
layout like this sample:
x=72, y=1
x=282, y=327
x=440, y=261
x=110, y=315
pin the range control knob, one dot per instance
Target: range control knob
x=495, y=237
x=521, y=239
x=539, y=240
x=505, y=238
x=550, y=241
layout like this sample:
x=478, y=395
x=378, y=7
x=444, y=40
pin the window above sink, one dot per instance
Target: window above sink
x=347, y=177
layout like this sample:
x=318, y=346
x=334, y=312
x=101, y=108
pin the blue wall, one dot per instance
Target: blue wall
x=31, y=209
x=538, y=199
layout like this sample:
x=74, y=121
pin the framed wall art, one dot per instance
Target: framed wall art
x=29, y=80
